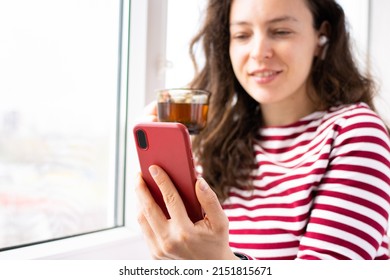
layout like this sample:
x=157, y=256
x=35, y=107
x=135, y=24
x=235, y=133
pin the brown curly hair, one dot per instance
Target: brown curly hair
x=224, y=148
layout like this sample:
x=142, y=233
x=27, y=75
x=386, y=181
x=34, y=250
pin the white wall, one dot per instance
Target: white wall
x=357, y=16
x=380, y=58
x=183, y=21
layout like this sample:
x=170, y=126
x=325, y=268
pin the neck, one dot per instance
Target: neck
x=287, y=112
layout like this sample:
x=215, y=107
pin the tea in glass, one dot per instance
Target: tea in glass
x=187, y=106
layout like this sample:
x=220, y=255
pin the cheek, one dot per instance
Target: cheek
x=233, y=57
x=289, y=53
x=238, y=60
x=299, y=60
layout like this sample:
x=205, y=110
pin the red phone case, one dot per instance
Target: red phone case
x=169, y=146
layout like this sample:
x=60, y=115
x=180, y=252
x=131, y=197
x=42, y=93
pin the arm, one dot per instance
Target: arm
x=349, y=218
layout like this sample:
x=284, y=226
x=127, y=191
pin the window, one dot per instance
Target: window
x=62, y=119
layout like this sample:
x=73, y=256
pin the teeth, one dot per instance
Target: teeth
x=265, y=74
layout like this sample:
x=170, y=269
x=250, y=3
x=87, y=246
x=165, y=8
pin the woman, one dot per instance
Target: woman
x=297, y=159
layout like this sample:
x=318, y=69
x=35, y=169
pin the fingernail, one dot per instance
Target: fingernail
x=153, y=171
x=203, y=185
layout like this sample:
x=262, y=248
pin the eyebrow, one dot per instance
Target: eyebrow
x=283, y=18
x=271, y=21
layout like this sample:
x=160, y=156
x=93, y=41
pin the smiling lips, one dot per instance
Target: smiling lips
x=264, y=76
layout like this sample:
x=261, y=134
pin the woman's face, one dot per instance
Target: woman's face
x=272, y=46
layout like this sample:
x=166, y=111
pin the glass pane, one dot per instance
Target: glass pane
x=58, y=108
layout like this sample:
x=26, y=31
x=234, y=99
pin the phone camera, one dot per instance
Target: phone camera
x=141, y=139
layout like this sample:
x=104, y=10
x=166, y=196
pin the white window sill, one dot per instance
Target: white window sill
x=114, y=244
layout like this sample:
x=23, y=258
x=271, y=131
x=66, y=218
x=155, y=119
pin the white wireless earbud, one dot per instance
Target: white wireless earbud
x=323, y=43
x=323, y=40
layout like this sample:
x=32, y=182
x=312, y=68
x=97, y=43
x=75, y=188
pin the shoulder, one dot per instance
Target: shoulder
x=358, y=128
x=352, y=111
x=356, y=117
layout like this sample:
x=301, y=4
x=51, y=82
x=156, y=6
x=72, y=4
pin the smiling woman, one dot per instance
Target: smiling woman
x=257, y=35
x=294, y=150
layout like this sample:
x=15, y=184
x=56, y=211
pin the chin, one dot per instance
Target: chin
x=263, y=98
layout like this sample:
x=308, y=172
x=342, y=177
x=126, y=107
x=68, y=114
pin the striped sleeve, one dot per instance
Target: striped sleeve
x=351, y=208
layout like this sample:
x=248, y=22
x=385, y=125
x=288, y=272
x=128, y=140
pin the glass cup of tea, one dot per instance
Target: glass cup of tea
x=184, y=105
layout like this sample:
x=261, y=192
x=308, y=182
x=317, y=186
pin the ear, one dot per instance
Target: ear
x=323, y=40
x=324, y=29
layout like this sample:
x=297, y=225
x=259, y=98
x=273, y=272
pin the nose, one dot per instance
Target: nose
x=261, y=48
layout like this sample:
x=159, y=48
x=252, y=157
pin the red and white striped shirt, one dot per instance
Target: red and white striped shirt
x=321, y=190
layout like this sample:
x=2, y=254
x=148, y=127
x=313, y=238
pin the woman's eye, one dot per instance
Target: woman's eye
x=240, y=36
x=281, y=32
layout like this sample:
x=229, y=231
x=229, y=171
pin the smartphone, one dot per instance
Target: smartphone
x=168, y=145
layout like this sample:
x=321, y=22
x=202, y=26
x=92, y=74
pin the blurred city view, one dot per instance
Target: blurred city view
x=51, y=185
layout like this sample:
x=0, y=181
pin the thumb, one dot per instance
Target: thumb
x=210, y=204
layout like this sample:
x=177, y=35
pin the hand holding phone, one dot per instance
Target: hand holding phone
x=168, y=145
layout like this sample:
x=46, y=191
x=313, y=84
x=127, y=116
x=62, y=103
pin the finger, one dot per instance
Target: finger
x=147, y=231
x=150, y=208
x=147, y=216
x=151, y=238
x=172, y=199
x=149, y=118
x=211, y=205
x=151, y=109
